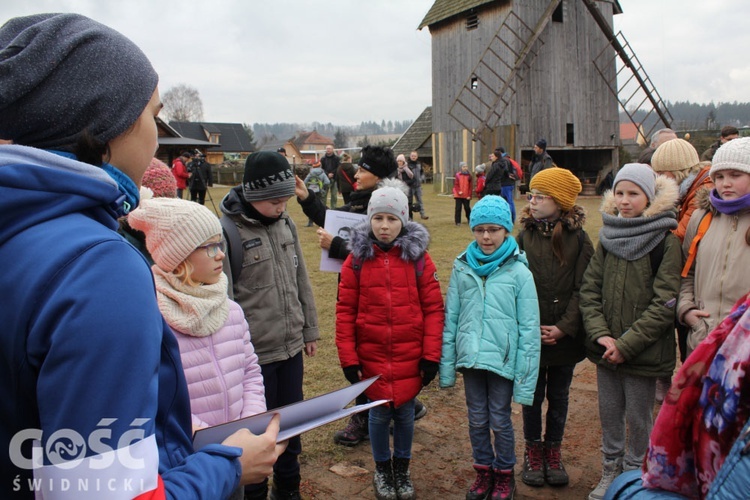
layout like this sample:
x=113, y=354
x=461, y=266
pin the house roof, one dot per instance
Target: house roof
x=416, y=135
x=311, y=138
x=232, y=136
x=445, y=9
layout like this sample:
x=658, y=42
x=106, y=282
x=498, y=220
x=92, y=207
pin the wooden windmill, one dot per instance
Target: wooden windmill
x=508, y=72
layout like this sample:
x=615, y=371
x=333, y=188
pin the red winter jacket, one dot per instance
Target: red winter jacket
x=181, y=175
x=387, y=317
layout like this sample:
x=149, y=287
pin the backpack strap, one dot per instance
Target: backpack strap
x=232, y=235
x=693, y=252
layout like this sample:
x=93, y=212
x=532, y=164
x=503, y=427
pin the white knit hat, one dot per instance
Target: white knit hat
x=174, y=228
x=732, y=155
x=389, y=200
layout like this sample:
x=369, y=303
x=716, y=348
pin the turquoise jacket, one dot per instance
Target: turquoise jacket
x=493, y=324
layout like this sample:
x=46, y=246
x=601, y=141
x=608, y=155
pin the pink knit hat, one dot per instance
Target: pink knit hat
x=174, y=228
x=159, y=179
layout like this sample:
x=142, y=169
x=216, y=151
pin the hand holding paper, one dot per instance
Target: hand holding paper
x=259, y=453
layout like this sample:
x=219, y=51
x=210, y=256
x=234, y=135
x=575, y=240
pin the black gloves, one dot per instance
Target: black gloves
x=352, y=373
x=429, y=369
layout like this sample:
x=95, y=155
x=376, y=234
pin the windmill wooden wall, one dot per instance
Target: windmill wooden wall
x=561, y=87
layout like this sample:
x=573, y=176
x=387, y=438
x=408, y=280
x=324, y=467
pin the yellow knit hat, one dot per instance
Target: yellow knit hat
x=674, y=155
x=558, y=183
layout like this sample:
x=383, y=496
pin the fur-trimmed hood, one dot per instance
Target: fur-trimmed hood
x=703, y=200
x=571, y=220
x=666, y=197
x=413, y=242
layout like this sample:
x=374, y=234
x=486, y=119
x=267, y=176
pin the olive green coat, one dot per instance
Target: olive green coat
x=623, y=299
x=557, y=284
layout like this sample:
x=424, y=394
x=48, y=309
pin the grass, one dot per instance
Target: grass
x=323, y=373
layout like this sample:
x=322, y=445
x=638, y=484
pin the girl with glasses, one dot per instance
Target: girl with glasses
x=222, y=371
x=558, y=250
x=491, y=336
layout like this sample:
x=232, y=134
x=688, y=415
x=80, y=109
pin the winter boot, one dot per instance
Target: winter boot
x=554, y=471
x=402, y=479
x=285, y=488
x=611, y=468
x=505, y=485
x=482, y=486
x=533, y=464
x=382, y=481
x=355, y=431
x=420, y=410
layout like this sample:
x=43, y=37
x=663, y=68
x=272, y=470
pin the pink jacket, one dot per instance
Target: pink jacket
x=222, y=371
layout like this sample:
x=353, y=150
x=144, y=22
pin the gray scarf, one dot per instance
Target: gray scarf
x=631, y=239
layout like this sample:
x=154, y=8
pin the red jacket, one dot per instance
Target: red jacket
x=462, y=186
x=180, y=173
x=387, y=317
x=480, y=185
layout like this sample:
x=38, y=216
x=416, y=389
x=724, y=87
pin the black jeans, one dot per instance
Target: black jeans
x=198, y=195
x=462, y=202
x=283, y=383
x=555, y=381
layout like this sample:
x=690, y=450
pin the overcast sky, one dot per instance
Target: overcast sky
x=346, y=61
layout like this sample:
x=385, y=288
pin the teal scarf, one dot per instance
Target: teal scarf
x=483, y=264
x=126, y=185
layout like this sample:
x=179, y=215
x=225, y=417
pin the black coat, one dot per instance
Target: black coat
x=200, y=175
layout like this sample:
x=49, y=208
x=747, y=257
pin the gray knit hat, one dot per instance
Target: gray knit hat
x=732, y=155
x=389, y=200
x=268, y=175
x=174, y=228
x=639, y=174
x=62, y=74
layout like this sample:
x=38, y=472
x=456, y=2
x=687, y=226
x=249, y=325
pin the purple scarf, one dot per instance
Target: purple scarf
x=729, y=207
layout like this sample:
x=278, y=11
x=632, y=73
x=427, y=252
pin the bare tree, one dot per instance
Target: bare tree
x=182, y=103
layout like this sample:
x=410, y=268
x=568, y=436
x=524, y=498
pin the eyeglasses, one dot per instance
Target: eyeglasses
x=214, y=248
x=537, y=197
x=492, y=231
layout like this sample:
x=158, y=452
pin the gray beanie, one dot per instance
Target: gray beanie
x=639, y=174
x=62, y=74
x=389, y=200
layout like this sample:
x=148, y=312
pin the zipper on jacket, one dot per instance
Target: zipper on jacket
x=735, y=223
x=284, y=299
x=220, y=376
x=389, y=347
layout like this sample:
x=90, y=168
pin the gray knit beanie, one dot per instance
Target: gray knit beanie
x=639, y=174
x=62, y=74
x=268, y=175
x=389, y=200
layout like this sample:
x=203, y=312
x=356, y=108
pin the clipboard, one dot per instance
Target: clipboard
x=296, y=418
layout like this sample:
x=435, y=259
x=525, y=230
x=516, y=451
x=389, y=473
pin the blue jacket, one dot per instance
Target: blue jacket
x=493, y=325
x=84, y=348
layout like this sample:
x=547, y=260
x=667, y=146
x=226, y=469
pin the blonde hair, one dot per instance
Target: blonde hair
x=346, y=157
x=681, y=175
x=184, y=272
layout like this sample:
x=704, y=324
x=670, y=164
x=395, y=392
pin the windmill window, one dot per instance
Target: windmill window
x=474, y=83
x=472, y=22
x=570, y=134
x=557, y=16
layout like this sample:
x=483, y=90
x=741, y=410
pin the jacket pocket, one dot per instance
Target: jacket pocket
x=257, y=268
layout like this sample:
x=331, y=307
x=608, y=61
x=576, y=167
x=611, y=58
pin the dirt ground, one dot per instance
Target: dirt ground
x=441, y=463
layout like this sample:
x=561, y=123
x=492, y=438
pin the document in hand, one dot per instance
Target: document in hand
x=338, y=224
x=295, y=418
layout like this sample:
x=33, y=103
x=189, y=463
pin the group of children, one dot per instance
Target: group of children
x=519, y=314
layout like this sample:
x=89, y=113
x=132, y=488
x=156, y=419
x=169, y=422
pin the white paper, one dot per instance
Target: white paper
x=338, y=224
x=295, y=418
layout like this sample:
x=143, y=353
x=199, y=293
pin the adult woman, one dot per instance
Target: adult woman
x=716, y=243
x=88, y=359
